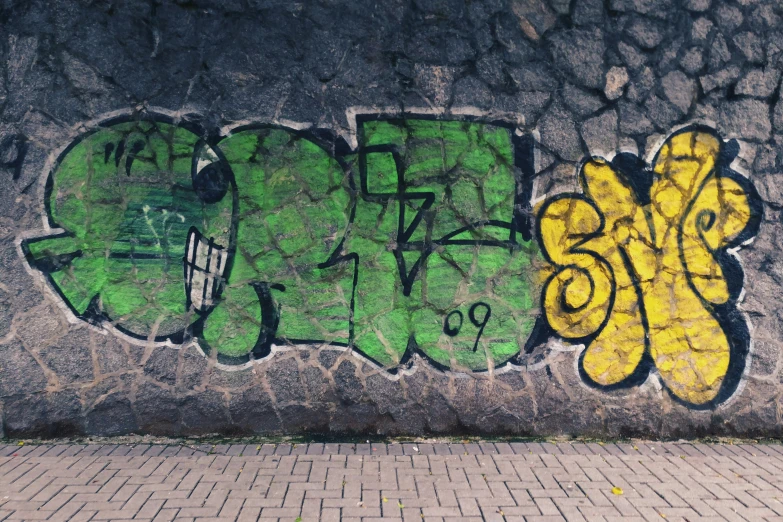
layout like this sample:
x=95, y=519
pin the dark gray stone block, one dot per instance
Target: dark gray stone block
x=347, y=383
x=645, y=32
x=679, y=89
x=588, y=12
x=600, y=133
x=581, y=102
x=71, y=360
x=759, y=83
x=162, y=365
x=728, y=17
x=204, y=413
x=113, y=415
x=251, y=411
x=21, y=372
x=751, y=46
x=746, y=118
x=661, y=112
x=285, y=382
x=158, y=409
x=194, y=369
x=692, y=60
x=558, y=133
x=580, y=53
x=23, y=414
x=633, y=120
x=111, y=355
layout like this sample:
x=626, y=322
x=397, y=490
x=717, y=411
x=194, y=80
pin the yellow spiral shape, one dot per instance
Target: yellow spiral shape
x=577, y=298
x=642, y=278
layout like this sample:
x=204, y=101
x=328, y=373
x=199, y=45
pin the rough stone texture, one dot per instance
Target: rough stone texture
x=600, y=133
x=616, y=79
x=580, y=53
x=746, y=118
x=720, y=79
x=540, y=63
x=679, y=89
x=759, y=83
x=558, y=133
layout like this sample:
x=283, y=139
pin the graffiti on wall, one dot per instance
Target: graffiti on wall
x=645, y=273
x=419, y=239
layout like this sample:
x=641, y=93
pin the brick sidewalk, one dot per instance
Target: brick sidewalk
x=501, y=481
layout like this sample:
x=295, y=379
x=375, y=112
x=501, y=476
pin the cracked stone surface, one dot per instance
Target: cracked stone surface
x=584, y=77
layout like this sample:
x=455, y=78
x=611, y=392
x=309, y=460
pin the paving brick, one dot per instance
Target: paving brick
x=165, y=515
x=564, y=481
x=154, y=451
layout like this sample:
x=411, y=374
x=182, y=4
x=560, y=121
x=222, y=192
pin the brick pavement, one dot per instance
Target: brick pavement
x=533, y=481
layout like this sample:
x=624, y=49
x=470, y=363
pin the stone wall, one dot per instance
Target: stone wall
x=534, y=217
